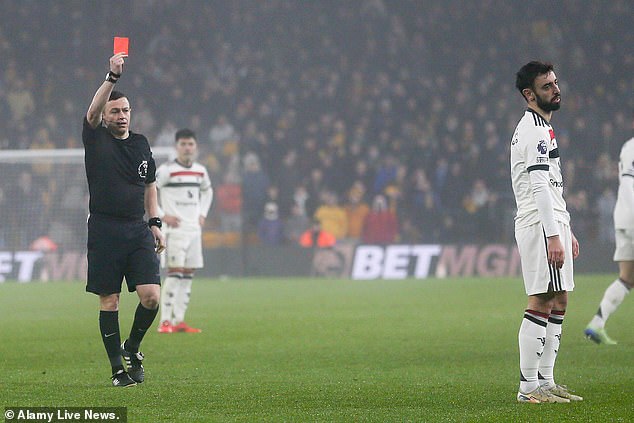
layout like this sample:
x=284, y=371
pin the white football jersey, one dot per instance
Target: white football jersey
x=184, y=192
x=534, y=147
x=624, y=208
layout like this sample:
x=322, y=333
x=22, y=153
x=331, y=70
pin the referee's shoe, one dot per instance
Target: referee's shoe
x=122, y=379
x=133, y=362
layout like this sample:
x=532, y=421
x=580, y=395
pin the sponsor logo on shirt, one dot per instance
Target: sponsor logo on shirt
x=557, y=184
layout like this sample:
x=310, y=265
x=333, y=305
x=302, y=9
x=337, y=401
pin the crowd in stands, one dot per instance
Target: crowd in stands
x=387, y=121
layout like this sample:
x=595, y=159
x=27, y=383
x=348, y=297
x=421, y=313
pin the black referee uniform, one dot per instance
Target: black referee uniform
x=120, y=243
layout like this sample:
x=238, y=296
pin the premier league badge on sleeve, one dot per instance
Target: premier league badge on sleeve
x=541, y=147
x=142, y=169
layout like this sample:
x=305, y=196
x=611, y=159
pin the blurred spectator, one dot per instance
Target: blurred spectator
x=356, y=211
x=423, y=215
x=579, y=208
x=315, y=236
x=381, y=224
x=270, y=231
x=221, y=135
x=20, y=101
x=332, y=216
x=479, y=203
x=228, y=199
x=165, y=137
x=296, y=224
x=255, y=183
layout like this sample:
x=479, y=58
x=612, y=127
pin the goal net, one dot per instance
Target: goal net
x=44, y=198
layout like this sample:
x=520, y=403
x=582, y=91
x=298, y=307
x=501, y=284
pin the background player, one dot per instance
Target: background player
x=542, y=230
x=185, y=195
x=121, y=181
x=624, y=252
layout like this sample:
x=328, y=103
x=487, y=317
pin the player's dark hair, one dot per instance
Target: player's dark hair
x=116, y=95
x=525, y=77
x=184, y=133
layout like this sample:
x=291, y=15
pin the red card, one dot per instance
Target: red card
x=121, y=45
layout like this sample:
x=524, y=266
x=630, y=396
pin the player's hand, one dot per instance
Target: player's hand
x=116, y=63
x=159, y=239
x=171, y=221
x=575, y=246
x=201, y=221
x=555, y=252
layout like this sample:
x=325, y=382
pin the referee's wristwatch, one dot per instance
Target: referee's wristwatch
x=155, y=221
x=112, y=77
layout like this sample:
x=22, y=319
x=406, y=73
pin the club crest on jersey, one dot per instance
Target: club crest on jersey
x=142, y=169
x=542, y=147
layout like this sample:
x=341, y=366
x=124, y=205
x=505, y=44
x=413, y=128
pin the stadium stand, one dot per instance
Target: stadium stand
x=411, y=100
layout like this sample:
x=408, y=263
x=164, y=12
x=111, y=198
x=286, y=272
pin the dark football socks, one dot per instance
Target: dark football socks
x=109, y=327
x=143, y=319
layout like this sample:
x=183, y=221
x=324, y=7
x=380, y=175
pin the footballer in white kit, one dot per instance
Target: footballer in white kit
x=546, y=244
x=624, y=250
x=185, y=196
x=536, y=165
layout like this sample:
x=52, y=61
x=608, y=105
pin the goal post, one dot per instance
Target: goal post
x=44, y=198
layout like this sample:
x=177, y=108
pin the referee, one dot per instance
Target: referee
x=122, y=185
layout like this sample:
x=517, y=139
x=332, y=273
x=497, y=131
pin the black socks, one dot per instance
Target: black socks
x=143, y=319
x=109, y=327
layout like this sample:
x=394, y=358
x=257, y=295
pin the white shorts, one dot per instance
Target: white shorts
x=184, y=249
x=539, y=276
x=624, y=245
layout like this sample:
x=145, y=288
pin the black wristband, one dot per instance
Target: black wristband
x=155, y=221
x=112, y=77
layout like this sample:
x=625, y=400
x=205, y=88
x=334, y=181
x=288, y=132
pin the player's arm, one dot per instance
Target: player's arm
x=541, y=194
x=206, y=198
x=575, y=245
x=538, y=166
x=93, y=115
x=152, y=210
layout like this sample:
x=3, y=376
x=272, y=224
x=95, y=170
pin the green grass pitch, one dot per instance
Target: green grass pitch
x=435, y=350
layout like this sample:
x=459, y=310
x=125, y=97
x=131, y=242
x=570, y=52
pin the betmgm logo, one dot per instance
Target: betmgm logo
x=393, y=261
x=433, y=260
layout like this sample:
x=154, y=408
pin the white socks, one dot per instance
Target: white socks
x=553, y=339
x=175, y=297
x=532, y=338
x=182, y=298
x=169, y=296
x=612, y=298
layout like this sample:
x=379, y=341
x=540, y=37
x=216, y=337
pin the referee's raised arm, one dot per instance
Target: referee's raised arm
x=95, y=110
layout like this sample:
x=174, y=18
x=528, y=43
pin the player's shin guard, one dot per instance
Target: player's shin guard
x=111, y=337
x=143, y=318
x=169, y=296
x=532, y=337
x=551, y=347
x=182, y=298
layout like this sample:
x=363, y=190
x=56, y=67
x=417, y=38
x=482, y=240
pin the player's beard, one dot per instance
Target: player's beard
x=548, y=106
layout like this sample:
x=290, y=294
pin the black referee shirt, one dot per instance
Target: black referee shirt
x=117, y=172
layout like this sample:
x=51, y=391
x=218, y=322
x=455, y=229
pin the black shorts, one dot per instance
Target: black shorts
x=120, y=248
